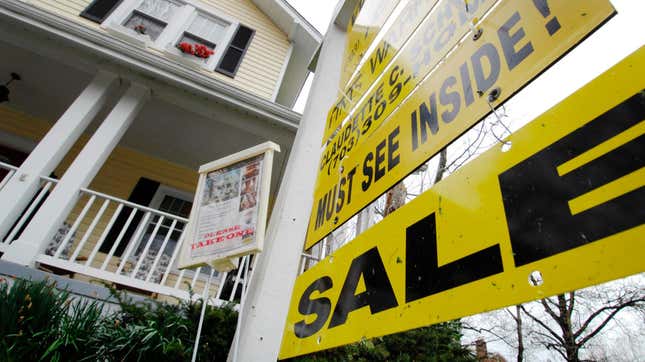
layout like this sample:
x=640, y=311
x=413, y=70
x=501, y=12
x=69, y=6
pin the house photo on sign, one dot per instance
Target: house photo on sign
x=229, y=213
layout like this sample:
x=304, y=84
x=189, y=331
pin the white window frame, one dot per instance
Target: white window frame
x=164, y=190
x=114, y=24
x=155, y=203
x=172, y=51
x=186, y=13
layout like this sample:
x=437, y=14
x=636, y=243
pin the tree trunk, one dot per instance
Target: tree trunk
x=395, y=198
x=520, y=337
x=570, y=345
x=443, y=157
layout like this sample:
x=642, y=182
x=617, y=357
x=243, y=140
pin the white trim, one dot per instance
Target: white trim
x=283, y=70
x=128, y=35
x=236, y=157
x=120, y=279
x=286, y=8
x=114, y=24
x=184, y=15
x=164, y=190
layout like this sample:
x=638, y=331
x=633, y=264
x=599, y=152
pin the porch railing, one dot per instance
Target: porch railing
x=120, y=242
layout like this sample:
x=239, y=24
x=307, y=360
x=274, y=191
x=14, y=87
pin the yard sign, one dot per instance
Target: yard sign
x=229, y=212
x=371, y=153
x=566, y=201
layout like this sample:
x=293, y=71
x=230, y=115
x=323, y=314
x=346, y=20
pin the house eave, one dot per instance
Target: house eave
x=121, y=52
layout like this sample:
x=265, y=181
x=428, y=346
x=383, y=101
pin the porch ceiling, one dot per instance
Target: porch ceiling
x=179, y=128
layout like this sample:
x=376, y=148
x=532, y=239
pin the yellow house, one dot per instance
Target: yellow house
x=110, y=106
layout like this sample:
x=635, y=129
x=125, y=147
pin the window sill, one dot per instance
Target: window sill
x=186, y=59
x=128, y=35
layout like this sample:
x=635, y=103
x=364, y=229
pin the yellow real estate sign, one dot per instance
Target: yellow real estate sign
x=566, y=201
x=518, y=42
x=440, y=31
x=366, y=21
x=403, y=26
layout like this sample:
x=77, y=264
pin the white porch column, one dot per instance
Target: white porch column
x=79, y=174
x=16, y=194
x=267, y=301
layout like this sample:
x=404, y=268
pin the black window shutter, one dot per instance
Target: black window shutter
x=234, y=53
x=142, y=194
x=98, y=10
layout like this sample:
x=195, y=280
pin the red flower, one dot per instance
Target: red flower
x=198, y=50
x=141, y=29
x=202, y=51
x=186, y=48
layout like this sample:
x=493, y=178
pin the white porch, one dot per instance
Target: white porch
x=101, y=127
x=147, y=264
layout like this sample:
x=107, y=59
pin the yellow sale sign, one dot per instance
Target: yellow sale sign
x=439, y=33
x=406, y=22
x=367, y=20
x=566, y=201
x=518, y=42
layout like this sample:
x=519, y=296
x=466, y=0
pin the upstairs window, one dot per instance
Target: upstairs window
x=204, y=31
x=98, y=10
x=235, y=52
x=151, y=17
x=187, y=31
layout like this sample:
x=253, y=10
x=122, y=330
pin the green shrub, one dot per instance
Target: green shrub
x=436, y=343
x=40, y=322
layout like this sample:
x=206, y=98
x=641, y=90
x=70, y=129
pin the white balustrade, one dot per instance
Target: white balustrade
x=120, y=242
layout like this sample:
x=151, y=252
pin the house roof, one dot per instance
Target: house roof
x=286, y=17
x=305, y=40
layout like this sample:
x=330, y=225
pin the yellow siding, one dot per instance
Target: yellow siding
x=260, y=69
x=117, y=178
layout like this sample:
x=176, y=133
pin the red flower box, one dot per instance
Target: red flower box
x=198, y=50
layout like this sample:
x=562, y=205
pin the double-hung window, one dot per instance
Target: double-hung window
x=200, y=30
x=204, y=31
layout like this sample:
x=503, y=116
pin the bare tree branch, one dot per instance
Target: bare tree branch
x=538, y=321
x=615, y=310
x=511, y=314
x=442, y=165
x=572, y=301
x=555, y=342
x=550, y=311
x=487, y=330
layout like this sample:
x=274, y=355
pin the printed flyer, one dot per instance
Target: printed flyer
x=229, y=209
x=229, y=213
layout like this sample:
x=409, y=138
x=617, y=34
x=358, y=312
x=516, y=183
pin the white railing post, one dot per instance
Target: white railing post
x=89, y=231
x=19, y=190
x=79, y=174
